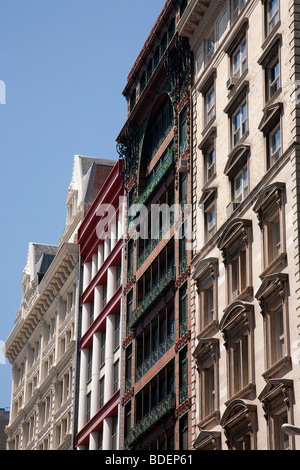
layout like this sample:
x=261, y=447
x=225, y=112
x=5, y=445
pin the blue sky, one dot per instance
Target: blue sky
x=64, y=64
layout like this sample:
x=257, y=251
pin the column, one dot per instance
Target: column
x=109, y=379
x=107, y=433
x=95, y=373
x=85, y=321
x=94, y=265
x=87, y=274
x=106, y=247
x=98, y=297
x=93, y=443
x=82, y=412
x=111, y=281
x=100, y=255
x=113, y=235
x=109, y=358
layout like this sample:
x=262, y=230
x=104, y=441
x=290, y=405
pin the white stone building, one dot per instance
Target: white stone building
x=42, y=346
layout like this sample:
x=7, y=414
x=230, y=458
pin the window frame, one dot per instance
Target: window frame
x=240, y=129
x=235, y=245
x=268, y=70
x=244, y=187
x=210, y=104
x=273, y=156
x=272, y=296
x=270, y=207
x=239, y=423
x=237, y=327
x=243, y=61
x=210, y=51
x=236, y=11
x=210, y=221
x=277, y=401
x=268, y=29
x=206, y=356
x=205, y=275
x=209, y=168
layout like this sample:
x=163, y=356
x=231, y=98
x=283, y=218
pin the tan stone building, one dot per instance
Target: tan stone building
x=246, y=199
x=42, y=346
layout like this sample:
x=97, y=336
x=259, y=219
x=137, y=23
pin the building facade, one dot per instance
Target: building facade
x=245, y=270
x=101, y=242
x=42, y=345
x=155, y=146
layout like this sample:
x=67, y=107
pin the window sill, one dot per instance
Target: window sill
x=272, y=371
x=208, y=126
x=246, y=294
x=249, y=391
x=271, y=100
x=213, y=417
x=269, y=37
x=272, y=268
x=208, y=182
x=241, y=141
x=214, y=325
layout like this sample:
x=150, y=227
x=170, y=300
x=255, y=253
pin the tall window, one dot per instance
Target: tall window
x=128, y=367
x=159, y=126
x=236, y=7
x=239, y=422
x=206, y=277
x=210, y=104
x=127, y=420
x=239, y=123
x=183, y=375
x=183, y=432
x=274, y=145
x=210, y=46
x=183, y=306
x=206, y=355
x=129, y=309
x=270, y=210
x=277, y=400
x=235, y=243
x=182, y=131
x=239, y=59
x=240, y=185
x=209, y=164
x=183, y=6
x=237, y=328
x=114, y=437
x=210, y=222
x=101, y=392
x=272, y=77
x=273, y=300
x=116, y=375
x=271, y=15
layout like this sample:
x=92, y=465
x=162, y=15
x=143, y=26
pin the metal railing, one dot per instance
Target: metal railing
x=150, y=298
x=155, y=356
x=167, y=405
x=155, y=241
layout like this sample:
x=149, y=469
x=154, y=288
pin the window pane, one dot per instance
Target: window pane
x=272, y=15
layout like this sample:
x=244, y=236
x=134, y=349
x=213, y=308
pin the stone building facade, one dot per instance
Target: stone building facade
x=245, y=270
x=42, y=346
